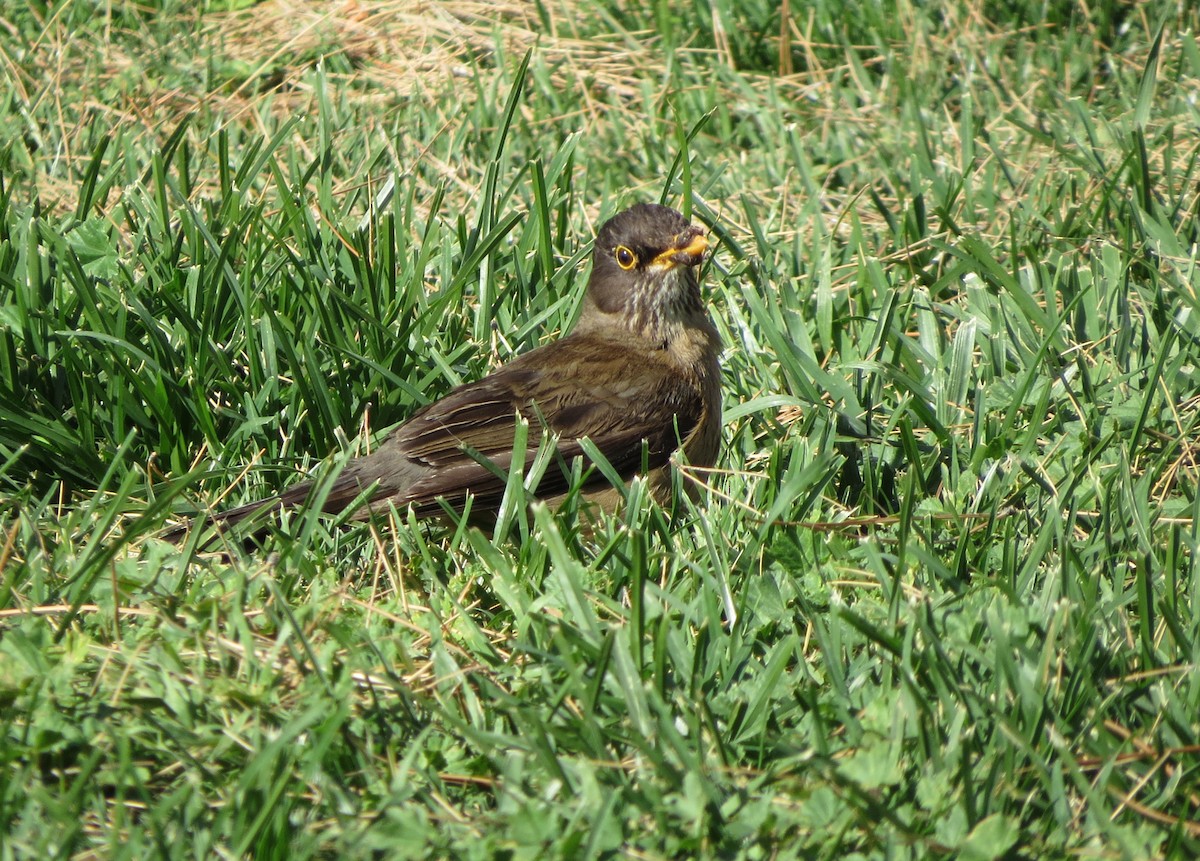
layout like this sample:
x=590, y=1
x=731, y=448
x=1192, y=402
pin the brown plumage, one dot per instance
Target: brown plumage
x=641, y=365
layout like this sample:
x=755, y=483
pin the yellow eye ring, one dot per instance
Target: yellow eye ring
x=626, y=259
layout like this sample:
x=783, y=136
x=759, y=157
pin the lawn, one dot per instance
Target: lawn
x=939, y=600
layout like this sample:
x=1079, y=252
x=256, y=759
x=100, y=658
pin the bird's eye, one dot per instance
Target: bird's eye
x=626, y=259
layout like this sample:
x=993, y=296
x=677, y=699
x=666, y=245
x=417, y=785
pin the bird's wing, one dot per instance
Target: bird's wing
x=576, y=387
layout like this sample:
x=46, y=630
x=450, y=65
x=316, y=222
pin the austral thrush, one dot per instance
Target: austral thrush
x=638, y=376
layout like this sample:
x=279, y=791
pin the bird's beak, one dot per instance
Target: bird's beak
x=687, y=250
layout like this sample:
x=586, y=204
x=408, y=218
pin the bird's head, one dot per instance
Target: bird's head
x=644, y=272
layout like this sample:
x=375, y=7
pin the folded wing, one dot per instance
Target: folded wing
x=626, y=401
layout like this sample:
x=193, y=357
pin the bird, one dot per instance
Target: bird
x=639, y=375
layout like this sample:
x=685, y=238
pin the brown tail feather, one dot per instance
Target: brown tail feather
x=343, y=491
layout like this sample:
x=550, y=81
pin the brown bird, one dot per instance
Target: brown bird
x=638, y=375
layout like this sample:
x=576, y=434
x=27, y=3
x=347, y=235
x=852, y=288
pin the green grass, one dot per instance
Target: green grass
x=941, y=600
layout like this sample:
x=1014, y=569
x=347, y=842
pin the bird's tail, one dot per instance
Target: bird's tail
x=342, y=492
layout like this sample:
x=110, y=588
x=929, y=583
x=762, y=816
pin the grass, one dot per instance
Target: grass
x=940, y=600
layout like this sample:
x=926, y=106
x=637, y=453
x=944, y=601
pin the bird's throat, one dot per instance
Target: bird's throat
x=664, y=306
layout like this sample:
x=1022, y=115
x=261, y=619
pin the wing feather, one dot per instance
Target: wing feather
x=625, y=401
